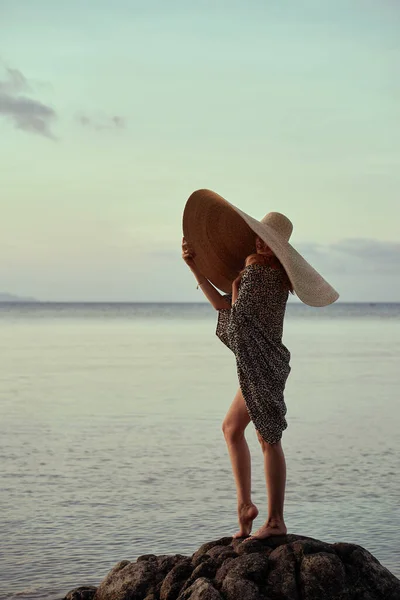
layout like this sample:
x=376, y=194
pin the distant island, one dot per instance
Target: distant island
x=4, y=297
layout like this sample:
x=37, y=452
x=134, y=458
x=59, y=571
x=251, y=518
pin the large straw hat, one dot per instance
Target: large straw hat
x=222, y=236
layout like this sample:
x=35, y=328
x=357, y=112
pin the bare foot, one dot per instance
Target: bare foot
x=246, y=513
x=270, y=528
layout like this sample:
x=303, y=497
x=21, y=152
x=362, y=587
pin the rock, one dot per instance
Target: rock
x=132, y=580
x=244, y=577
x=85, y=592
x=288, y=567
x=205, y=549
x=205, y=570
x=282, y=577
x=322, y=574
x=240, y=589
x=365, y=573
x=174, y=581
x=201, y=589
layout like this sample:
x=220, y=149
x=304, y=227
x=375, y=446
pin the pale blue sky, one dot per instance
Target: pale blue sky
x=112, y=113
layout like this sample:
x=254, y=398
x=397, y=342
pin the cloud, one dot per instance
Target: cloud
x=18, y=105
x=346, y=256
x=101, y=123
x=14, y=83
x=118, y=121
x=24, y=112
x=374, y=252
x=354, y=255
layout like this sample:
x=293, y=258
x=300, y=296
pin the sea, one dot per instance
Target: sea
x=111, y=443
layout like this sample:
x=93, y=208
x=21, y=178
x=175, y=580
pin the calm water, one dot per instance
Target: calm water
x=111, y=445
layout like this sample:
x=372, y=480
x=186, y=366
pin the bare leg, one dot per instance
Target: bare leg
x=275, y=477
x=234, y=424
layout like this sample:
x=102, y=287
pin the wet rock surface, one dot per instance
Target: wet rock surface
x=290, y=567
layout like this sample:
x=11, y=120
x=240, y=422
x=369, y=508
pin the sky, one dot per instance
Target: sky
x=112, y=113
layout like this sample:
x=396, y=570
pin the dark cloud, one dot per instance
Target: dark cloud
x=14, y=83
x=374, y=252
x=84, y=121
x=24, y=112
x=27, y=114
x=101, y=123
x=18, y=105
x=354, y=255
x=118, y=121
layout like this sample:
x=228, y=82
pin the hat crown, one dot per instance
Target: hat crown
x=279, y=223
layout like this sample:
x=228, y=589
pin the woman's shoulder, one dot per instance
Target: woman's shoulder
x=258, y=267
x=263, y=274
x=266, y=262
x=254, y=259
x=257, y=274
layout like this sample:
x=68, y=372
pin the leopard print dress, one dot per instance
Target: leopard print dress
x=252, y=329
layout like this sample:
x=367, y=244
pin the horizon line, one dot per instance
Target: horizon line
x=292, y=303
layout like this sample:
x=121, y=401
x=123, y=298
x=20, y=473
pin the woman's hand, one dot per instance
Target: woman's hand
x=188, y=254
x=212, y=295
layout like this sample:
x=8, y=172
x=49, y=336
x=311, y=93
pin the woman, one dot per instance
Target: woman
x=218, y=237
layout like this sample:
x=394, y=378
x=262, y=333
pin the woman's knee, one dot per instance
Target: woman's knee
x=266, y=446
x=233, y=431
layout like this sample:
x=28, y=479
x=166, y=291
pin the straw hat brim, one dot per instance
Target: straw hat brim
x=222, y=236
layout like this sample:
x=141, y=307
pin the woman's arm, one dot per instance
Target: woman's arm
x=252, y=259
x=212, y=295
x=235, y=287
